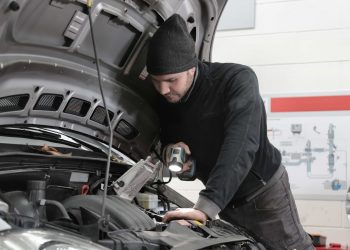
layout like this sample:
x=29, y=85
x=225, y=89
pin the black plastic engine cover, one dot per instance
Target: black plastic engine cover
x=123, y=214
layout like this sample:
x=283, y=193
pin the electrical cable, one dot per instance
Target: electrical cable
x=158, y=182
x=89, y=5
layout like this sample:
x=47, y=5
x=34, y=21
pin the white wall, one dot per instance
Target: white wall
x=297, y=46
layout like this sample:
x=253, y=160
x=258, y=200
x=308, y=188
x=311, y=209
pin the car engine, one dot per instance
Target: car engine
x=48, y=204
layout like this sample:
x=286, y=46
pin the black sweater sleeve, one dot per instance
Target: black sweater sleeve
x=242, y=118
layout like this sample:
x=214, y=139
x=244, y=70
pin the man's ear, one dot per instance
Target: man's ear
x=192, y=70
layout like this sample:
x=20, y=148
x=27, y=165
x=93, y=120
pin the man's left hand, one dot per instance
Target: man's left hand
x=185, y=214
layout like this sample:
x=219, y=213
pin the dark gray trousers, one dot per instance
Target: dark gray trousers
x=272, y=216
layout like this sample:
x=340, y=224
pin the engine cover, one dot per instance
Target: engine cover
x=123, y=214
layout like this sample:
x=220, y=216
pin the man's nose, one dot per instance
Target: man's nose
x=164, y=88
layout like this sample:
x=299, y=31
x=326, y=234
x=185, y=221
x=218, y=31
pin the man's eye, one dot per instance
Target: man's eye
x=172, y=80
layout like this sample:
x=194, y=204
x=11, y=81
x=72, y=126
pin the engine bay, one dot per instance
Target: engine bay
x=51, y=194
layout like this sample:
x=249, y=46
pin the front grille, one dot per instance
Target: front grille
x=49, y=102
x=13, y=103
x=77, y=107
x=126, y=130
x=99, y=115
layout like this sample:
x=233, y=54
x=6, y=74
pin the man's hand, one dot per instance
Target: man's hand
x=185, y=214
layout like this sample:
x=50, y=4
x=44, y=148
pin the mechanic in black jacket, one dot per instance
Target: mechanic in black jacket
x=215, y=112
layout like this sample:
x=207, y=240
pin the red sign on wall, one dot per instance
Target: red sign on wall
x=310, y=103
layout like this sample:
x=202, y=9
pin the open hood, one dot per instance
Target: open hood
x=55, y=189
x=48, y=69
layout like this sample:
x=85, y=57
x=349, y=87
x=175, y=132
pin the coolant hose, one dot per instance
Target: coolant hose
x=59, y=205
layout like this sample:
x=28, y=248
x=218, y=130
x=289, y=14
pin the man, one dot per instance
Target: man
x=215, y=112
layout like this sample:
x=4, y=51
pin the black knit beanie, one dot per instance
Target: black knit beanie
x=171, y=49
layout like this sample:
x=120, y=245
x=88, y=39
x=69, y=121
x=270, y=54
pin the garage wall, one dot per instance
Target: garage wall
x=297, y=46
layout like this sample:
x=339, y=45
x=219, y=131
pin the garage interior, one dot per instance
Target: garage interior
x=58, y=132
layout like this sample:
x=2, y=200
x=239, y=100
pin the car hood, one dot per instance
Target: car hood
x=48, y=70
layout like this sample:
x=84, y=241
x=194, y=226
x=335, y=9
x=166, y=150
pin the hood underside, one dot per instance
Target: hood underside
x=48, y=71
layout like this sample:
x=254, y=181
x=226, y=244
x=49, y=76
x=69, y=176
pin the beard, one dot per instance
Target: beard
x=175, y=97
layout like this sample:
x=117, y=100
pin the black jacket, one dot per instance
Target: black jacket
x=224, y=124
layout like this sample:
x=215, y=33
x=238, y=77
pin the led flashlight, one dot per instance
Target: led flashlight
x=177, y=158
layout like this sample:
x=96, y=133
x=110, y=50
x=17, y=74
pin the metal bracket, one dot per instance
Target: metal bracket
x=130, y=183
